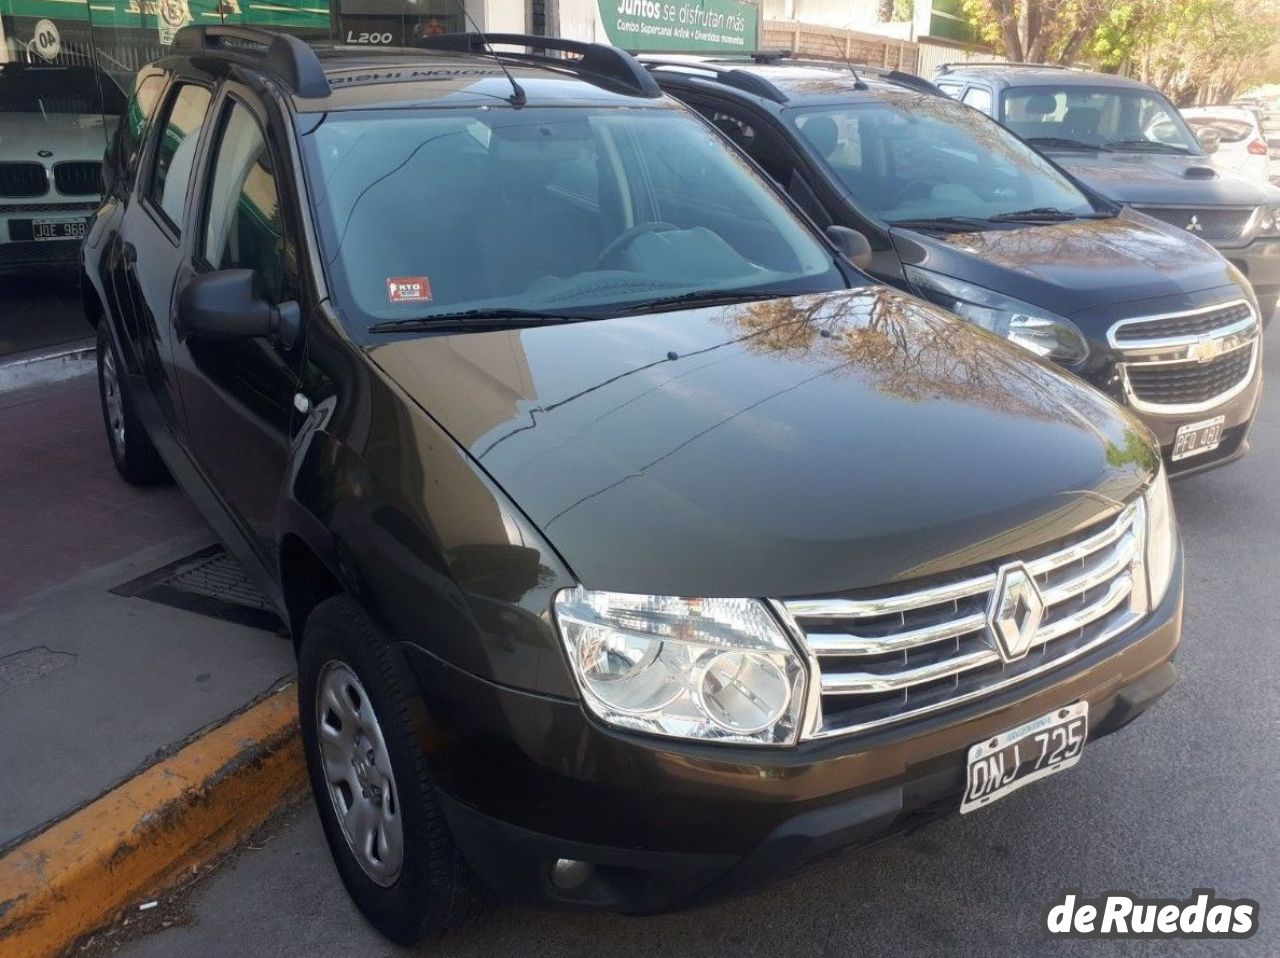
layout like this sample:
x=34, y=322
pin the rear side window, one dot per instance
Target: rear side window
x=176, y=152
x=137, y=118
x=243, y=228
x=979, y=99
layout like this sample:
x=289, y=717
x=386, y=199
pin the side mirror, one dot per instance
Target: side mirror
x=852, y=245
x=1210, y=139
x=230, y=304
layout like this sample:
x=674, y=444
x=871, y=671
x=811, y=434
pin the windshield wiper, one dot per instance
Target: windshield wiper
x=1066, y=143
x=946, y=224
x=698, y=297
x=1153, y=146
x=502, y=318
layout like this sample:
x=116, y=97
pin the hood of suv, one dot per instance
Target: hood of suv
x=67, y=136
x=1156, y=179
x=789, y=447
x=1076, y=266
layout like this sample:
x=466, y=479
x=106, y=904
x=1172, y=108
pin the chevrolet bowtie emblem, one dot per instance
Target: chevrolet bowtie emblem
x=1194, y=226
x=1205, y=349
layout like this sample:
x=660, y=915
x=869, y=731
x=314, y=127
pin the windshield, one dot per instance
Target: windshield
x=58, y=91
x=1097, y=117
x=571, y=211
x=914, y=157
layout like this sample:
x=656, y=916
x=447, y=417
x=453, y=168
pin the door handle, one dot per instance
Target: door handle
x=129, y=253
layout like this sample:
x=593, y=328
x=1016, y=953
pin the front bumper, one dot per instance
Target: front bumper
x=527, y=780
x=1260, y=263
x=24, y=257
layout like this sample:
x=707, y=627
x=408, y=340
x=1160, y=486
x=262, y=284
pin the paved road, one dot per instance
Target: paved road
x=1185, y=799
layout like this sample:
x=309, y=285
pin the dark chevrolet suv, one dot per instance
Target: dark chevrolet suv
x=960, y=212
x=1127, y=141
x=636, y=547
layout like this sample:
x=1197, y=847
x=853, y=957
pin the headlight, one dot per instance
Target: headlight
x=1162, y=538
x=1031, y=327
x=710, y=669
x=1269, y=221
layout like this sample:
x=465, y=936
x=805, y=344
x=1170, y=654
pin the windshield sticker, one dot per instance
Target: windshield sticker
x=409, y=289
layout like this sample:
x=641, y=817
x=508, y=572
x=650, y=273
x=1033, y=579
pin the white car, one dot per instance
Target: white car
x=55, y=122
x=1242, y=148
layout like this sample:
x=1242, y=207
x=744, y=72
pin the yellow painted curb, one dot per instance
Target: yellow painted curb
x=78, y=874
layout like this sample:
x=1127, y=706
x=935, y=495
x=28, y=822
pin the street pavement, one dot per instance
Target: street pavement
x=94, y=684
x=1184, y=799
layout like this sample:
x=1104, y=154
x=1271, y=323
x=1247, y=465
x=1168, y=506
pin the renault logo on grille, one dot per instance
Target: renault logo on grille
x=1194, y=225
x=1015, y=612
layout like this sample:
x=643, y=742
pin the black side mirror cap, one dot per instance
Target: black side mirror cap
x=231, y=304
x=852, y=245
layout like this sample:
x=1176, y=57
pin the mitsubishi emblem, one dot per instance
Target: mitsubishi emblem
x=1015, y=612
x=1194, y=226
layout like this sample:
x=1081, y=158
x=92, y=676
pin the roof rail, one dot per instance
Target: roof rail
x=280, y=54
x=889, y=75
x=944, y=68
x=728, y=75
x=594, y=59
x=784, y=57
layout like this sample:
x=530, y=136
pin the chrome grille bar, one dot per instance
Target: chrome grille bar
x=1153, y=347
x=888, y=658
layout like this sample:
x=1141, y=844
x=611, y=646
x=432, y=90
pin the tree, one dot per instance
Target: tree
x=1037, y=31
x=1193, y=50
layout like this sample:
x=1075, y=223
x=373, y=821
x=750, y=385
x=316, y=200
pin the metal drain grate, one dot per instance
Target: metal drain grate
x=209, y=582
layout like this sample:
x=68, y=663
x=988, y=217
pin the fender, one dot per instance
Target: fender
x=400, y=517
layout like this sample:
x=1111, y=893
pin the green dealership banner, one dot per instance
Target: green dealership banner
x=681, y=25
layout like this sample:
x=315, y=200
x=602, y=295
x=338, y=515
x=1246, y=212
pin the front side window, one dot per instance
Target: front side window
x=176, y=151
x=243, y=227
x=561, y=210
x=918, y=156
x=1097, y=118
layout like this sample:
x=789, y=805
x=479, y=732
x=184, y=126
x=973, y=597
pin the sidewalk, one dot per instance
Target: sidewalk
x=93, y=685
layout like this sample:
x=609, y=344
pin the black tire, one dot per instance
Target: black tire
x=434, y=891
x=131, y=448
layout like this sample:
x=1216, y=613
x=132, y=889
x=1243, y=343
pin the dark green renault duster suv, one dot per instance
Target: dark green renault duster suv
x=636, y=547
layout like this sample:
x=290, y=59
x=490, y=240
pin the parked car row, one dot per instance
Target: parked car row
x=1128, y=142
x=961, y=212
x=654, y=518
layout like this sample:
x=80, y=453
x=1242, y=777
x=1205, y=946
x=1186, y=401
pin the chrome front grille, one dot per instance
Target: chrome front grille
x=1188, y=362
x=894, y=656
x=1181, y=384
x=1223, y=225
x=1184, y=324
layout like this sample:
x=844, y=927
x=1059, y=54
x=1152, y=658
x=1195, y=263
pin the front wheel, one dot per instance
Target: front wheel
x=358, y=709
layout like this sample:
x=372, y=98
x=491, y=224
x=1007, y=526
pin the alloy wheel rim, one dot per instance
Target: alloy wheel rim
x=114, y=401
x=357, y=773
